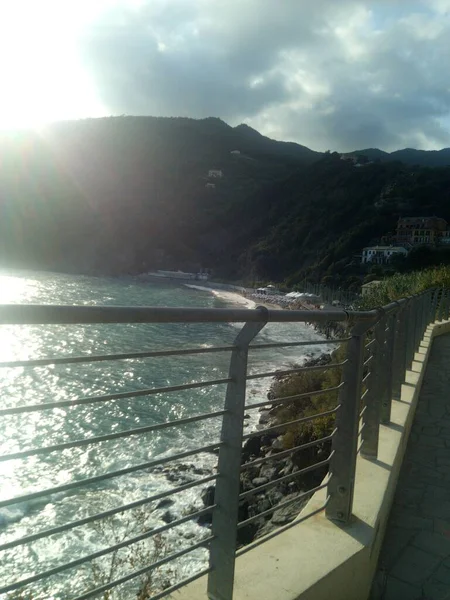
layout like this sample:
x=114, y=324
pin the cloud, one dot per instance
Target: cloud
x=339, y=75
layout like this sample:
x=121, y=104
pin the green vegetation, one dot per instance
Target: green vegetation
x=390, y=289
x=128, y=194
x=305, y=382
x=406, y=284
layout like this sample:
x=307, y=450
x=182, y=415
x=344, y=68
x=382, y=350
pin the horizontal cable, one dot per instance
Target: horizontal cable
x=110, y=436
x=98, y=478
x=364, y=394
x=43, y=362
x=155, y=565
x=363, y=410
x=281, y=529
x=103, y=515
x=369, y=374
x=309, y=343
x=361, y=429
x=100, y=553
x=289, y=423
x=292, y=398
x=105, y=551
x=260, y=461
x=180, y=584
x=265, y=486
x=366, y=362
x=298, y=370
x=118, y=396
x=281, y=505
x=370, y=344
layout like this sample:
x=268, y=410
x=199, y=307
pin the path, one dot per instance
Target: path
x=414, y=561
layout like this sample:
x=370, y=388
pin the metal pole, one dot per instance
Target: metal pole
x=447, y=304
x=398, y=367
x=416, y=324
x=441, y=305
x=345, y=441
x=435, y=305
x=372, y=414
x=388, y=372
x=410, y=334
x=226, y=497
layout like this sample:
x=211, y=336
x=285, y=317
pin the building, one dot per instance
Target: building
x=445, y=237
x=210, y=186
x=235, y=152
x=367, y=288
x=215, y=173
x=417, y=231
x=381, y=255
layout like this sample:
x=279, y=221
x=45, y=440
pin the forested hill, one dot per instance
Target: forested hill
x=129, y=194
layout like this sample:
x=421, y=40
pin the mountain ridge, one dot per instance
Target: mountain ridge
x=130, y=194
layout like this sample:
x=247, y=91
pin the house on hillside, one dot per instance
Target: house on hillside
x=210, y=186
x=366, y=288
x=418, y=231
x=445, y=238
x=235, y=152
x=381, y=255
x=215, y=173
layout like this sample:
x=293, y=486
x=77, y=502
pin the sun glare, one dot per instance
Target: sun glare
x=42, y=76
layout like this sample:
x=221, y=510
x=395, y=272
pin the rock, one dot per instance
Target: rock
x=260, y=481
x=252, y=447
x=168, y=517
x=268, y=472
x=264, y=418
x=288, y=513
x=207, y=495
x=164, y=503
x=267, y=438
x=278, y=444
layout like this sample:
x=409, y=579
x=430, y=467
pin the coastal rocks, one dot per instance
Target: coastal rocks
x=261, y=505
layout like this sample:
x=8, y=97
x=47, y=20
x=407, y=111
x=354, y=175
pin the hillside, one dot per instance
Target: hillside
x=409, y=156
x=130, y=194
x=108, y=195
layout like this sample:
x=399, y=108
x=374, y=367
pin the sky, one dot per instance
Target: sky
x=329, y=74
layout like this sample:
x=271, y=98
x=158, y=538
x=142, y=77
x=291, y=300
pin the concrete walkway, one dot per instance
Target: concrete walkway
x=414, y=561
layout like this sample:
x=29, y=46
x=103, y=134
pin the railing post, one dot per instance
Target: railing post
x=446, y=303
x=345, y=440
x=398, y=366
x=410, y=333
x=435, y=305
x=417, y=307
x=440, y=310
x=226, y=496
x=372, y=414
x=386, y=401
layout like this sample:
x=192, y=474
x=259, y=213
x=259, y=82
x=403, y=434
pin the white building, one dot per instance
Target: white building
x=218, y=173
x=381, y=255
x=445, y=238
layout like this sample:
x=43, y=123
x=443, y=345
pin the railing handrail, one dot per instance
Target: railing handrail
x=54, y=314
x=372, y=375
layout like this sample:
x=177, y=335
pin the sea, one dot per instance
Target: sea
x=46, y=384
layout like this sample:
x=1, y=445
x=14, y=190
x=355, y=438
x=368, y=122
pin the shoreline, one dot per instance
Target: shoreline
x=267, y=445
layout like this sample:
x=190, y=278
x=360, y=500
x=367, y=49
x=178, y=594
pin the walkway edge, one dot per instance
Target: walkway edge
x=316, y=559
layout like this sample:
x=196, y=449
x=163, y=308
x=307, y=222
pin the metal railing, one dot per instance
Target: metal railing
x=379, y=348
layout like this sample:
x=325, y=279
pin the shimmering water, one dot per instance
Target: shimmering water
x=24, y=386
